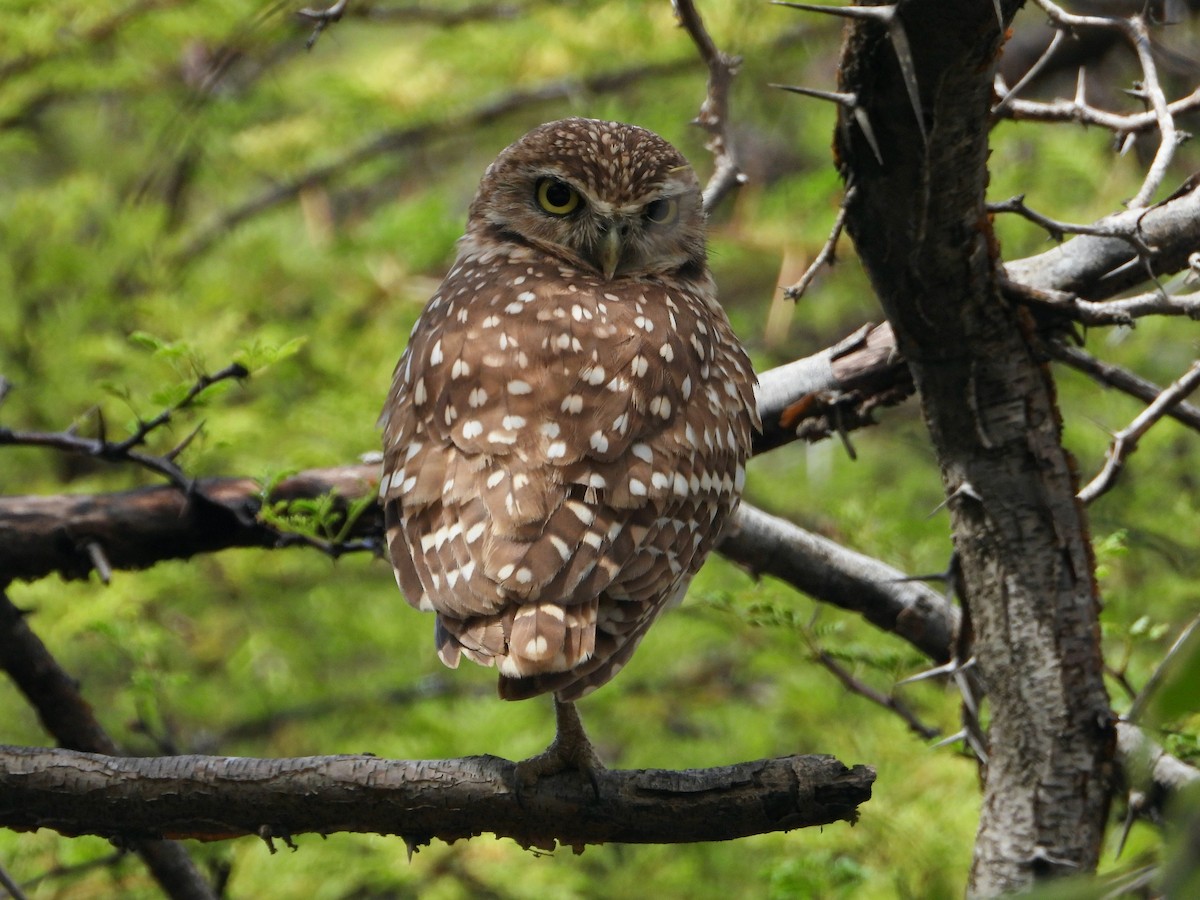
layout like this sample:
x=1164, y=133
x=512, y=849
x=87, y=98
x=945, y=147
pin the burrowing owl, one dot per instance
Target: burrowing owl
x=567, y=431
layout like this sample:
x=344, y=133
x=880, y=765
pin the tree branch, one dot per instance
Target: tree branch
x=1114, y=376
x=212, y=798
x=68, y=717
x=1099, y=267
x=1126, y=440
x=714, y=111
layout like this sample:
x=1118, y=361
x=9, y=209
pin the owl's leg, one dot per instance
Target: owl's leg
x=569, y=750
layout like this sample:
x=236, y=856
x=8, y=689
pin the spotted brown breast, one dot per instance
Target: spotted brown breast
x=562, y=448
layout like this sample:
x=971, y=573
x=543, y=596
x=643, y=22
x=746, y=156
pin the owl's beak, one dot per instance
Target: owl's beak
x=611, y=247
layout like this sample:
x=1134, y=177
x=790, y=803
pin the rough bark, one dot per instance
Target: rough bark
x=212, y=798
x=921, y=228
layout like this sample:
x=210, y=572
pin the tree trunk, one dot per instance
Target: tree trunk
x=922, y=77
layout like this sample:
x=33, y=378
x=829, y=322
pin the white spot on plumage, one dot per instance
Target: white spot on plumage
x=637, y=487
x=599, y=442
x=642, y=452
x=460, y=369
x=549, y=429
x=518, y=387
x=472, y=428
x=572, y=403
x=640, y=365
x=556, y=450
x=505, y=572
x=580, y=511
x=666, y=352
x=495, y=478
x=513, y=422
x=593, y=374
x=419, y=394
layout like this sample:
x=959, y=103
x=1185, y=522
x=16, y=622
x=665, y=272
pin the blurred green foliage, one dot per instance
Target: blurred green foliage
x=182, y=186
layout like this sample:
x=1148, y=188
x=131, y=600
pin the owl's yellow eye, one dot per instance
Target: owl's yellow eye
x=662, y=211
x=557, y=197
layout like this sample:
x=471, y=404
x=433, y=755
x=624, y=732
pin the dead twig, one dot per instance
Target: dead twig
x=827, y=255
x=1126, y=440
x=1059, y=230
x=1133, y=29
x=714, y=111
x=1121, y=379
x=322, y=19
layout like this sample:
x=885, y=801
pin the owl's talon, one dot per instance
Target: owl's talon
x=570, y=750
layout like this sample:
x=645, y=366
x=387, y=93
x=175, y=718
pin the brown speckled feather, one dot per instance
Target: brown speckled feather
x=562, y=448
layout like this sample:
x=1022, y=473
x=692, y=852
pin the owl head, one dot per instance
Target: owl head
x=602, y=197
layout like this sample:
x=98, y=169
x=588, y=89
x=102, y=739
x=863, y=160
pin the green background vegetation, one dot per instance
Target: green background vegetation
x=120, y=281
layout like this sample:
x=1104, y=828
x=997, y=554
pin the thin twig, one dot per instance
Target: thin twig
x=714, y=111
x=1058, y=230
x=1121, y=379
x=894, y=704
x=1152, y=683
x=1134, y=30
x=1081, y=113
x=1030, y=74
x=1152, y=90
x=10, y=886
x=1125, y=311
x=100, y=447
x=828, y=254
x=322, y=18
x=1126, y=440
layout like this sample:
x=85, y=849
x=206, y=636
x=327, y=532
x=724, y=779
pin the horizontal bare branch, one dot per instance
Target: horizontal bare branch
x=211, y=798
x=1100, y=267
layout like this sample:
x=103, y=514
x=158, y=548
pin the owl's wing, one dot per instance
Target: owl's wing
x=558, y=460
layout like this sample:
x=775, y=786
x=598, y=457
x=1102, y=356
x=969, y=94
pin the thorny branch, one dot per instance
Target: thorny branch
x=1126, y=440
x=1133, y=29
x=123, y=450
x=714, y=111
x=1078, y=111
